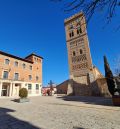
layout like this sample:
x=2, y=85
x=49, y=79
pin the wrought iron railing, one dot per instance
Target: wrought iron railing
x=22, y=79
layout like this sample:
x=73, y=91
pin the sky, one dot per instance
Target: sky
x=28, y=26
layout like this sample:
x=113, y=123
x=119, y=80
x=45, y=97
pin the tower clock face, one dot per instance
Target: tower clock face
x=78, y=46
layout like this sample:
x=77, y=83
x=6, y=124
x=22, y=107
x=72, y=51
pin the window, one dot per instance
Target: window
x=37, y=78
x=30, y=67
x=35, y=59
x=78, y=20
x=5, y=75
x=40, y=60
x=74, y=54
x=7, y=61
x=24, y=66
x=71, y=34
x=71, y=26
x=29, y=86
x=16, y=76
x=79, y=30
x=37, y=86
x=81, y=51
x=16, y=63
x=30, y=77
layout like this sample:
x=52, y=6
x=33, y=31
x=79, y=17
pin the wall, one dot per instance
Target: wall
x=23, y=73
x=80, y=63
x=62, y=88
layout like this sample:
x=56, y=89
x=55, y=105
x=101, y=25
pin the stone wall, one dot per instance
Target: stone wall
x=81, y=89
x=81, y=80
x=75, y=87
x=63, y=87
x=96, y=88
x=102, y=85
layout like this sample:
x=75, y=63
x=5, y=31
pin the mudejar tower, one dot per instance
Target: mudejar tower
x=85, y=79
x=80, y=62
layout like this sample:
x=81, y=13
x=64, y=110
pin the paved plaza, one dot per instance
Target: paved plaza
x=59, y=113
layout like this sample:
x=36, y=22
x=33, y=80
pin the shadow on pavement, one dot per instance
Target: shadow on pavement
x=78, y=128
x=9, y=122
x=89, y=100
x=15, y=100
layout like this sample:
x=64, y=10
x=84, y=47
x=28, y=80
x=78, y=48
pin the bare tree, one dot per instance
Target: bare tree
x=89, y=7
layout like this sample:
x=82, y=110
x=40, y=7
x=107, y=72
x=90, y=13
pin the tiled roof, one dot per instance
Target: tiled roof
x=33, y=54
x=16, y=57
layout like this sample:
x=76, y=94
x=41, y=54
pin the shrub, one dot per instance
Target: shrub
x=23, y=93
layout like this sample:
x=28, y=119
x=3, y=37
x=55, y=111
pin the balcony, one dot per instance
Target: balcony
x=8, y=79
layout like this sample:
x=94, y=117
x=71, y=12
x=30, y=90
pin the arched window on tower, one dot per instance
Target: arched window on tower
x=79, y=30
x=74, y=54
x=81, y=51
x=71, y=34
x=71, y=26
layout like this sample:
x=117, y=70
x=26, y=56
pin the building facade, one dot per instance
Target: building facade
x=80, y=62
x=16, y=73
x=85, y=79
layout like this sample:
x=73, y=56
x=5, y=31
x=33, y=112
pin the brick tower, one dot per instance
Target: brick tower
x=80, y=62
x=85, y=79
x=79, y=57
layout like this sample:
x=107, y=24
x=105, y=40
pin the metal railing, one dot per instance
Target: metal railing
x=7, y=79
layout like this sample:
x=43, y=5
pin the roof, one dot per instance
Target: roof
x=16, y=57
x=67, y=20
x=66, y=81
x=33, y=54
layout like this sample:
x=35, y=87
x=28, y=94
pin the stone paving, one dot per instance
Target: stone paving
x=59, y=113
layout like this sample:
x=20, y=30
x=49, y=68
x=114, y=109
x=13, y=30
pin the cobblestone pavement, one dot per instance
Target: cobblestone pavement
x=59, y=113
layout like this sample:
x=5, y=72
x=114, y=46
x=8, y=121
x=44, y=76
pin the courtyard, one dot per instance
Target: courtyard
x=59, y=113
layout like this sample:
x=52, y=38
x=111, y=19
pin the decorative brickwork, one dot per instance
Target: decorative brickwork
x=78, y=47
x=85, y=79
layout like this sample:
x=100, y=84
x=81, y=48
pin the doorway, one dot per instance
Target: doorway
x=5, y=90
x=16, y=90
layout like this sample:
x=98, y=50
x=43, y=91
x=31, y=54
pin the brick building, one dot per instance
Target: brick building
x=85, y=79
x=16, y=72
x=79, y=57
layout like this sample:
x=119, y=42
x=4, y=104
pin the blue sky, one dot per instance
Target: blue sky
x=37, y=26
